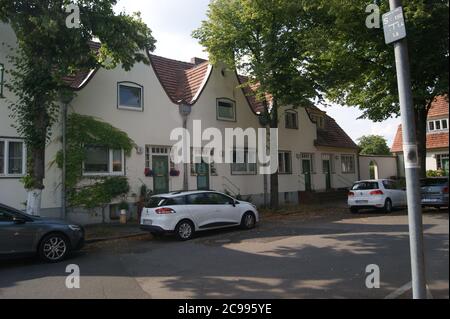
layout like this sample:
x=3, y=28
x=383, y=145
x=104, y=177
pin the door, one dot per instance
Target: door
x=306, y=167
x=202, y=176
x=445, y=166
x=160, y=174
x=201, y=210
x=228, y=213
x=14, y=237
x=327, y=172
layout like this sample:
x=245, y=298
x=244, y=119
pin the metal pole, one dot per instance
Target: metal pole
x=411, y=173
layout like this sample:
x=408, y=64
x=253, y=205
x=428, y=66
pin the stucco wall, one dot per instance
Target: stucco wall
x=386, y=166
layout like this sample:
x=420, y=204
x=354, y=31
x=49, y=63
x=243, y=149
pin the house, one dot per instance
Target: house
x=437, y=138
x=147, y=102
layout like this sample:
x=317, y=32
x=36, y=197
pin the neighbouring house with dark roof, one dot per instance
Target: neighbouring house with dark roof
x=148, y=103
x=437, y=137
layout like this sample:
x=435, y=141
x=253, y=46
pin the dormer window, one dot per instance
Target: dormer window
x=291, y=119
x=438, y=125
x=130, y=96
x=319, y=120
x=226, y=110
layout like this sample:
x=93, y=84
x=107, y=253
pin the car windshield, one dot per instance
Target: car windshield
x=433, y=182
x=365, y=186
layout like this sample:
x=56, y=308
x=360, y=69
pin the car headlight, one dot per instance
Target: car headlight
x=75, y=227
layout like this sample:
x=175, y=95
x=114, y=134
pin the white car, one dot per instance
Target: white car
x=381, y=194
x=185, y=213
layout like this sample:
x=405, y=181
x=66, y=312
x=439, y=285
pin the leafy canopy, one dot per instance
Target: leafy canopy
x=373, y=145
x=264, y=40
x=357, y=68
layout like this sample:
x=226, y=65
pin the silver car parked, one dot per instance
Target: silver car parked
x=22, y=234
x=434, y=192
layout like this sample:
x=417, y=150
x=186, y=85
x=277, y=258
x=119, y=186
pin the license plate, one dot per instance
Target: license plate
x=147, y=222
x=430, y=200
x=362, y=201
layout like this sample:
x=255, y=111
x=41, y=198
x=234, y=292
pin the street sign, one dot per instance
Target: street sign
x=394, y=26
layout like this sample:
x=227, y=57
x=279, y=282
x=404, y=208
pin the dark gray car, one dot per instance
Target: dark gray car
x=22, y=234
x=434, y=192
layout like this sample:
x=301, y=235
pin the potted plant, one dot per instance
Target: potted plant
x=174, y=172
x=148, y=172
x=123, y=207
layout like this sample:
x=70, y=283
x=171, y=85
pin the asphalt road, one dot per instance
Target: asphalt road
x=285, y=258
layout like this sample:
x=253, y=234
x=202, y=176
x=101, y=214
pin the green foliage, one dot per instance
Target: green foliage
x=102, y=192
x=436, y=173
x=48, y=51
x=373, y=145
x=85, y=130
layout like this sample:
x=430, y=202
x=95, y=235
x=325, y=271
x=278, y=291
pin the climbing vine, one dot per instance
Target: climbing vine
x=85, y=130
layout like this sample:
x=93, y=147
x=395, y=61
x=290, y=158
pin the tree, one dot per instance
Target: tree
x=358, y=68
x=263, y=39
x=48, y=51
x=373, y=145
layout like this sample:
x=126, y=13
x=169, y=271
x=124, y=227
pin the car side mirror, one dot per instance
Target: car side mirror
x=19, y=221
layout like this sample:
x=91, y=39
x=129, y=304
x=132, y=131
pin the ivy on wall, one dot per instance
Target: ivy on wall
x=91, y=192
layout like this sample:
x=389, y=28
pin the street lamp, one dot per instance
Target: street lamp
x=2, y=72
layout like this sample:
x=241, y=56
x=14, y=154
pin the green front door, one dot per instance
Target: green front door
x=202, y=176
x=160, y=174
x=306, y=165
x=327, y=172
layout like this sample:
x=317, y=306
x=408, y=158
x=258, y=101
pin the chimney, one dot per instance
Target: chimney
x=197, y=61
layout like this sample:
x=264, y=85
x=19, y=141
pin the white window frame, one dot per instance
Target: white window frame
x=248, y=165
x=6, y=142
x=440, y=121
x=295, y=113
x=439, y=158
x=157, y=150
x=110, y=166
x=126, y=107
x=225, y=100
x=343, y=161
x=282, y=170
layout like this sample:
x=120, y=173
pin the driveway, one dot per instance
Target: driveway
x=286, y=257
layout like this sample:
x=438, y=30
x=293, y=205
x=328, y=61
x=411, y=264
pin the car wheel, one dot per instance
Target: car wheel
x=388, y=206
x=248, y=221
x=185, y=230
x=54, y=248
x=354, y=210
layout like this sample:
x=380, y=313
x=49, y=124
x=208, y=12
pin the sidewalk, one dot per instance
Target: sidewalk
x=103, y=232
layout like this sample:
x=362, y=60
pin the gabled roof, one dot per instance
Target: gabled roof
x=434, y=141
x=182, y=81
x=439, y=107
x=332, y=135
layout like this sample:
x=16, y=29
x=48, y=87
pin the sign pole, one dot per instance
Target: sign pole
x=395, y=32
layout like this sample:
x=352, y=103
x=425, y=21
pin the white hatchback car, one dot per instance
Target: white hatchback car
x=381, y=194
x=185, y=213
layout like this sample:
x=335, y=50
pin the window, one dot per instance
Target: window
x=348, y=164
x=218, y=199
x=442, y=162
x=244, y=162
x=291, y=119
x=12, y=158
x=197, y=199
x=318, y=120
x=100, y=160
x=390, y=185
x=156, y=150
x=226, y=110
x=130, y=96
x=284, y=163
x=362, y=186
x=438, y=125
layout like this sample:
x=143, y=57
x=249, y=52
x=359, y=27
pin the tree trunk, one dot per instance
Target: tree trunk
x=274, y=195
x=421, y=113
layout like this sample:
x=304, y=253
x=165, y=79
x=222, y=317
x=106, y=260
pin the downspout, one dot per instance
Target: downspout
x=185, y=110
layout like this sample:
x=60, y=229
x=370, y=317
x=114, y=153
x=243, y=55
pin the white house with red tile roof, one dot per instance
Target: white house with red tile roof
x=315, y=153
x=437, y=137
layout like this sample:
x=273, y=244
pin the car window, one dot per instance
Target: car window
x=197, y=199
x=155, y=202
x=365, y=186
x=218, y=199
x=389, y=185
x=434, y=182
x=5, y=216
x=174, y=201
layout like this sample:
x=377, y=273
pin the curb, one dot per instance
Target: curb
x=96, y=240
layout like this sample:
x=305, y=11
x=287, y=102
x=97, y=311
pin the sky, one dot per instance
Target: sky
x=172, y=23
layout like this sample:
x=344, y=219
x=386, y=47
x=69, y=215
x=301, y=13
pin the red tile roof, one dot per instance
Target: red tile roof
x=182, y=81
x=434, y=141
x=439, y=107
x=331, y=135
x=79, y=79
